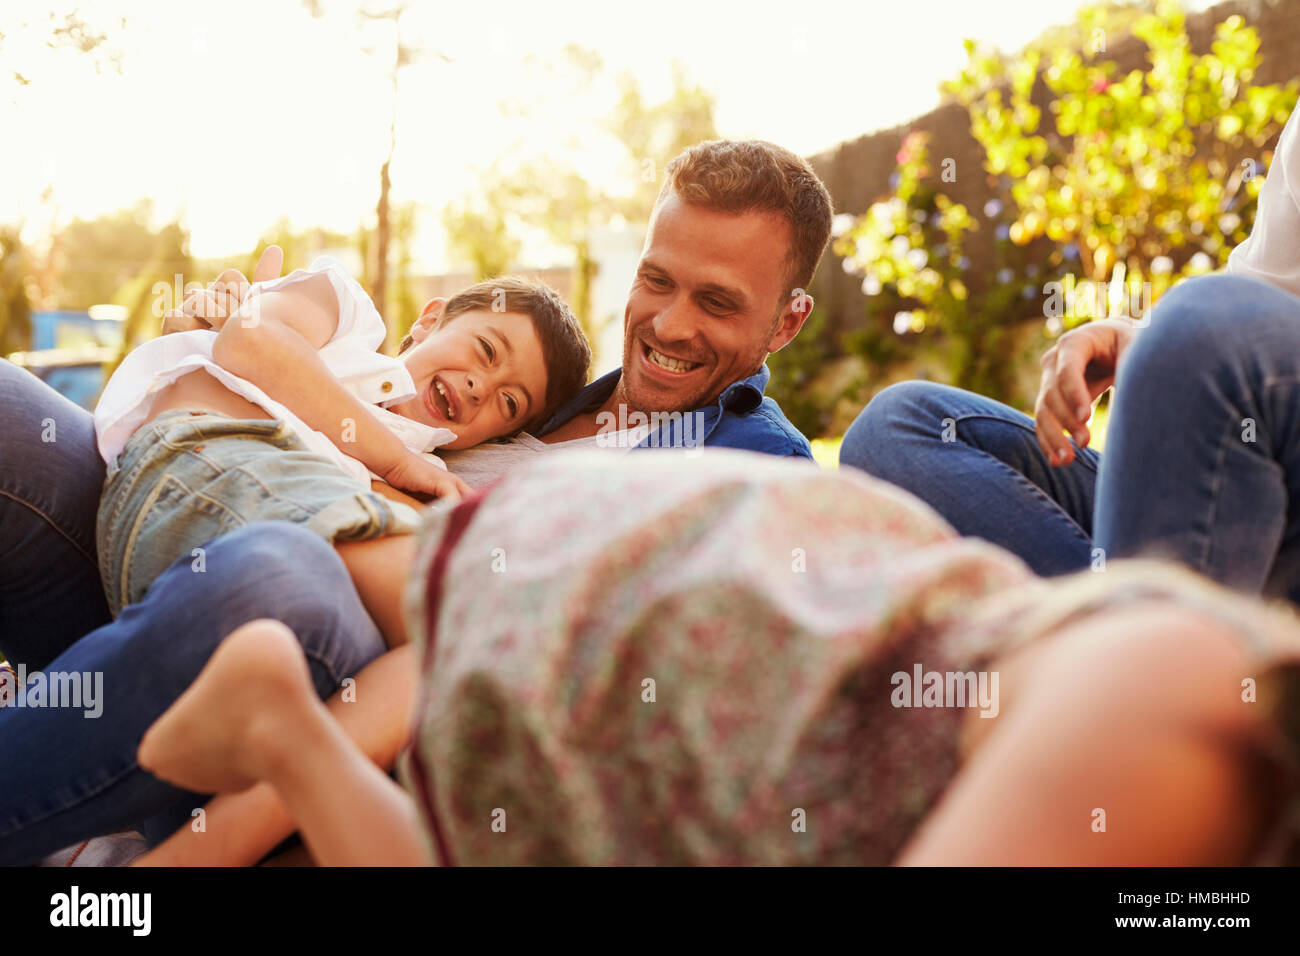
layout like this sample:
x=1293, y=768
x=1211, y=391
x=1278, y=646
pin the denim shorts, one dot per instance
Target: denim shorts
x=188, y=477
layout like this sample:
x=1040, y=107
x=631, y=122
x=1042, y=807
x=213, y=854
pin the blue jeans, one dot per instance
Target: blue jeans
x=1202, y=460
x=66, y=775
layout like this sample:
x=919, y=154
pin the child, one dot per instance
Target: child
x=285, y=410
x=667, y=686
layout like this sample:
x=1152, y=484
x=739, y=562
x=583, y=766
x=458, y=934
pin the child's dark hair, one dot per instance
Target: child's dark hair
x=565, y=351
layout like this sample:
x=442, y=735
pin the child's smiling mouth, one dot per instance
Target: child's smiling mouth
x=441, y=401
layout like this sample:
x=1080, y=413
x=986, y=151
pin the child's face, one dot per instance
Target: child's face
x=480, y=374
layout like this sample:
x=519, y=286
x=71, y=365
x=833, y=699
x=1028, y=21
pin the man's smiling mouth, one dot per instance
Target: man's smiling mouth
x=667, y=362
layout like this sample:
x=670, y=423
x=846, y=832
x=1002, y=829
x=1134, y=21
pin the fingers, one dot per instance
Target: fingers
x=204, y=304
x=1057, y=406
x=1051, y=437
x=453, y=489
x=177, y=320
x=1051, y=414
x=1064, y=397
x=1072, y=385
x=209, y=308
x=230, y=289
x=200, y=310
x=269, y=265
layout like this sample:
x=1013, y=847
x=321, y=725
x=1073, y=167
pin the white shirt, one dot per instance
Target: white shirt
x=351, y=355
x=484, y=464
x=1272, y=251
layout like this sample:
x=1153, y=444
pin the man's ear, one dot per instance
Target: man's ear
x=429, y=318
x=793, y=316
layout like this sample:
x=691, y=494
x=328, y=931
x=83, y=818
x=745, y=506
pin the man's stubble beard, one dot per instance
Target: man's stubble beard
x=630, y=346
x=623, y=395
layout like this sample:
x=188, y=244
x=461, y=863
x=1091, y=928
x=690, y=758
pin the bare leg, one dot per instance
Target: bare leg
x=251, y=716
x=1137, y=713
x=379, y=570
x=241, y=828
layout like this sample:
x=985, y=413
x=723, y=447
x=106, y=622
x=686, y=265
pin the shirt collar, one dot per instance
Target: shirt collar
x=741, y=397
x=746, y=395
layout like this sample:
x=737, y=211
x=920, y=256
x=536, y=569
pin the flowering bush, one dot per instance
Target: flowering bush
x=1136, y=181
x=910, y=251
x=1151, y=175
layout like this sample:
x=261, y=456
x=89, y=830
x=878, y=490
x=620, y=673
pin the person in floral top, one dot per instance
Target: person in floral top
x=743, y=660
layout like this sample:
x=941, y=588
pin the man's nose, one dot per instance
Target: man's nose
x=675, y=322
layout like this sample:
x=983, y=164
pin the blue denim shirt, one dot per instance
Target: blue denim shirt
x=742, y=417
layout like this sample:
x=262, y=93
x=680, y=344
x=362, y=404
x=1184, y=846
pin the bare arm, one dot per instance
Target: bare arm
x=1173, y=766
x=274, y=341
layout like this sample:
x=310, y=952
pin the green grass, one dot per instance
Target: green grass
x=826, y=452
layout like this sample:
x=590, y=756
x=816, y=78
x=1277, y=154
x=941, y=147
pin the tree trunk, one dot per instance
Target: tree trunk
x=383, y=229
x=584, y=271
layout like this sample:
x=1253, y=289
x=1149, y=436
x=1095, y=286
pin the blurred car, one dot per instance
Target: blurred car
x=76, y=373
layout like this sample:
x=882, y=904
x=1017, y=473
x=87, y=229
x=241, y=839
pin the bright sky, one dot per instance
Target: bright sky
x=234, y=115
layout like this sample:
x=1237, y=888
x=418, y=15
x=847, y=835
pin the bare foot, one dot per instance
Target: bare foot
x=219, y=735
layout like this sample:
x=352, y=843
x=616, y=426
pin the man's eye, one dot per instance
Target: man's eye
x=513, y=406
x=487, y=348
x=659, y=282
x=716, y=304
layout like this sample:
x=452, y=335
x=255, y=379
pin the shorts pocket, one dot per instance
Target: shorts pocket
x=171, y=522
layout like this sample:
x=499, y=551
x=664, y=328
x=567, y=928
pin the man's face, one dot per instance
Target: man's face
x=708, y=303
x=480, y=374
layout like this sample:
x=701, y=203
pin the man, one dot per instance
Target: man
x=735, y=236
x=733, y=241
x=1203, y=457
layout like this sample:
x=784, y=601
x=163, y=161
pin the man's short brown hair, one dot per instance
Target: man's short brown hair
x=565, y=351
x=738, y=176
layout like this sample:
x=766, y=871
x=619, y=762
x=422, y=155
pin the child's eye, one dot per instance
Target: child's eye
x=513, y=406
x=487, y=348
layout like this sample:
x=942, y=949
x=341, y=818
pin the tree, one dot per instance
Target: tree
x=1104, y=189
x=653, y=133
x=55, y=31
x=15, y=309
x=98, y=257
x=557, y=199
x=1147, y=177
x=910, y=250
x=552, y=195
x=402, y=54
x=406, y=304
x=60, y=31
x=478, y=230
x=154, y=287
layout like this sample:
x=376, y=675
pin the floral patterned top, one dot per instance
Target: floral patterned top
x=676, y=660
